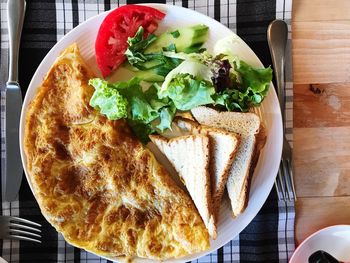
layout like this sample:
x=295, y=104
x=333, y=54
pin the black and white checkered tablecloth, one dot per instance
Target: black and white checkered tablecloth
x=268, y=238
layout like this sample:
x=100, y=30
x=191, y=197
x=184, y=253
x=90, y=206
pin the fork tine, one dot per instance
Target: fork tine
x=287, y=179
x=278, y=183
x=281, y=182
x=24, y=227
x=24, y=238
x=21, y=220
x=278, y=190
x=22, y=232
x=291, y=180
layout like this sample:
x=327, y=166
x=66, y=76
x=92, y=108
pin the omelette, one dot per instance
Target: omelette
x=95, y=182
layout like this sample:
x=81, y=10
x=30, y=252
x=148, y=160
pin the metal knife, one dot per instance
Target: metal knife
x=13, y=171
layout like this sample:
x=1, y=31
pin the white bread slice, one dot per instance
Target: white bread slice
x=223, y=148
x=190, y=157
x=247, y=126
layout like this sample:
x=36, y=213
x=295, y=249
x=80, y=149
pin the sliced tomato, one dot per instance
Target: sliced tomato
x=115, y=29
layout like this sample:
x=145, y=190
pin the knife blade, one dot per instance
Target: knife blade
x=11, y=182
x=12, y=172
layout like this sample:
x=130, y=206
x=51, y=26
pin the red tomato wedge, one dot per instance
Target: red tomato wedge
x=115, y=29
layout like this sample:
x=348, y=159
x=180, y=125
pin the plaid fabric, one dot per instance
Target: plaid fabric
x=269, y=237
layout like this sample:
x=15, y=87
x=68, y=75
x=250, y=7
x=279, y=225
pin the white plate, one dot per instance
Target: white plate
x=84, y=35
x=335, y=240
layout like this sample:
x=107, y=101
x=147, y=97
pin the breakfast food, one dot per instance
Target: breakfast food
x=190, y=157
x=223, y=148
x=247, y=126
x=85, y=138
x=95, y=182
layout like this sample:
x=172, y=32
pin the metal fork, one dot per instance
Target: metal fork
x=18, y=228
x=277, y=35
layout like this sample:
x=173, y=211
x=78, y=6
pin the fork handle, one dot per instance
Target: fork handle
x=15, y=17
x=277, y=35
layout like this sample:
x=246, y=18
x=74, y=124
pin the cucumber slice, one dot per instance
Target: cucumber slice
x=151, y=64
x=187, y=39
x=149, y=76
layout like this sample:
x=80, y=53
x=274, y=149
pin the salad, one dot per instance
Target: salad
x=172, y=72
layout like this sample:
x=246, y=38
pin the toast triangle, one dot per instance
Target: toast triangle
x=190, y=157
x=247, y=126
x=223, y=148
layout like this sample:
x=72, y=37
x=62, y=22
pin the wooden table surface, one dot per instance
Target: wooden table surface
x=321, y=65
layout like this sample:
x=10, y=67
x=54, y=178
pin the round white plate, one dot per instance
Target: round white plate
x=335, y=240
x=84, y=35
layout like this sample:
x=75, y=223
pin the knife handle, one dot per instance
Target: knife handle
x=15, y=18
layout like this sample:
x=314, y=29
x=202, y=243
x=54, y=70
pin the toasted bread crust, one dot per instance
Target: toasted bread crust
x=218, y=188
x=217, y=197
x=205, y=199
x=259, y=144
x=247, y=125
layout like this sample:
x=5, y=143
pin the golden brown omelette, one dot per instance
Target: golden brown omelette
x=95, y=182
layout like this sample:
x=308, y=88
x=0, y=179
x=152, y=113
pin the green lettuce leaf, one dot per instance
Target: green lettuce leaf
x=108, y=100
x=250, y=91
x=144, y=111
x=187, y=91
x=141, y=130
x=256, y=79
x=151, y=95
x=137, y=45
x=166, y=117
x=140, y=108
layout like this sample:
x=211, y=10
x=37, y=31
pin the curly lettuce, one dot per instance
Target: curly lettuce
x=108, y=100
x=144, y=111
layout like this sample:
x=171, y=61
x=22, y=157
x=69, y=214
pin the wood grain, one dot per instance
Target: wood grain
x=321, y=161
x=321, y=10
x=325, y=105
x=313, y=214
x=321, y=52
x=321, y=66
